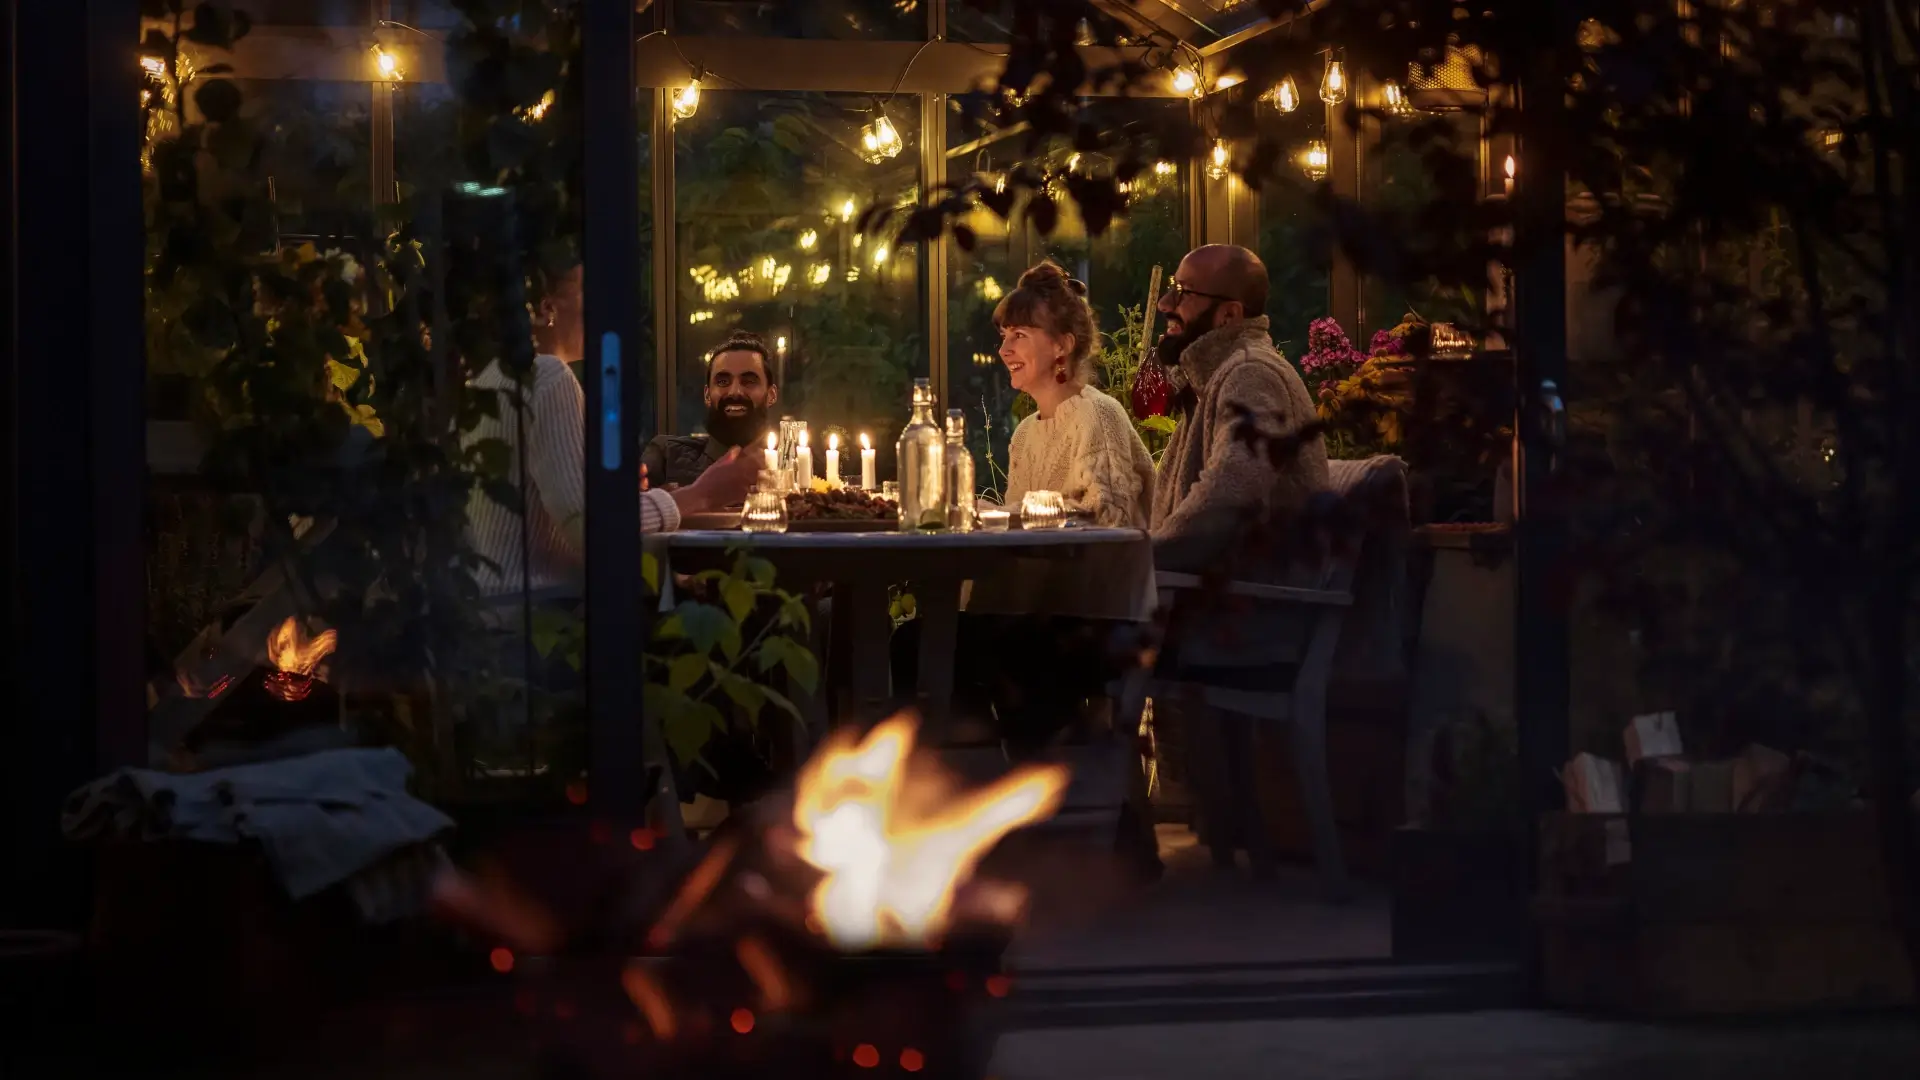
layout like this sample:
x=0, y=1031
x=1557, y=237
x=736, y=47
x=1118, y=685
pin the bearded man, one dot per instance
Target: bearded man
x=739, y=392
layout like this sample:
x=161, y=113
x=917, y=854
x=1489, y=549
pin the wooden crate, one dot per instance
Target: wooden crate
x=1682, y=915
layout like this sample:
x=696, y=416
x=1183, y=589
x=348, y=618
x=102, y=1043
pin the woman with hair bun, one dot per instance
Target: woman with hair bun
x=1079, y=441
x=1031, y=676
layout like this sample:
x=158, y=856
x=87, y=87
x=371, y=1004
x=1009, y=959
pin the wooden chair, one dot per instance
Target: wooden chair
x=1289, y=688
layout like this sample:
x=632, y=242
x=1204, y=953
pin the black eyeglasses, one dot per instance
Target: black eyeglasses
x=1178, y=292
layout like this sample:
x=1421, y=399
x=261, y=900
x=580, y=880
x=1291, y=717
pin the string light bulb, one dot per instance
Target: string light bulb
x=1333, y=84
x=846, y=209
x=1186, y=81
x=808, y=239
x=1163, y=167
x=1510, y=168
x=879, y=141
x=1217, y=160
x=686, y=100
x=1285, y=95
x=880, y=254
x=386, y=64
x=1394, y=100
x=1315, y=160
x=1227, y=82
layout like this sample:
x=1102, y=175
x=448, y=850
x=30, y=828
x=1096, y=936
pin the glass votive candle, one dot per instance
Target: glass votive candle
x=890, y=489
x=1043, y=510
x=994, y=520
x=766, y=512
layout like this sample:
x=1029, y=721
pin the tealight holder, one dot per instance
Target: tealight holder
x=994, y=520
x=765, y=512
x=1043, y=510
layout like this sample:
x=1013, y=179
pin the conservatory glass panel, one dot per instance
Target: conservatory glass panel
x=1294, y=241
x=769, y=190
x=1397, y=181
x=343, y=541
x=1116, y=265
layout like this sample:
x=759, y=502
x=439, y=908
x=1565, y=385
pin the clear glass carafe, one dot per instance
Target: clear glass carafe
x=920, y=459
x=960, y=490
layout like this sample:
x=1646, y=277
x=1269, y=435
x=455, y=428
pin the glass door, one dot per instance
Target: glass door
x=394, y=384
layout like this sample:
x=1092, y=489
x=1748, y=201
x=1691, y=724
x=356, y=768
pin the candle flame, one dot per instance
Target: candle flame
x=865, y=443
x=833, y=442
x=773, y=441
x=803, y=438
x=1509, y=166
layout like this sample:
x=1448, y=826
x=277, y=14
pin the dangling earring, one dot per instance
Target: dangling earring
x=1060, y=373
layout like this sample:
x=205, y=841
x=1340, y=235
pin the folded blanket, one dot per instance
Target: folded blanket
x=322, y=819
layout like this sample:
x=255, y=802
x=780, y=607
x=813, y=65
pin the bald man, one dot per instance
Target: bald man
x=1213, y=488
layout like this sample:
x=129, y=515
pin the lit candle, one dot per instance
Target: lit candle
x=1510, y=171
x=802, y=464
x=773, y=451
x=867, y=480
x=833, y=461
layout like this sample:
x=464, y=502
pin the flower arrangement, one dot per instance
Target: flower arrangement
x=1362, y=398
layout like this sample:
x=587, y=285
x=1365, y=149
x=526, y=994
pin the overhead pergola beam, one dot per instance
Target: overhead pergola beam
x=1261, y=29
x=859, y=67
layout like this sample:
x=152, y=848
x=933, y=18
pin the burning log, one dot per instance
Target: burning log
x=288, y=694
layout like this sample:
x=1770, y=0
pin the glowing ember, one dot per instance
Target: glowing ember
x=296, y=655
x=896, y=845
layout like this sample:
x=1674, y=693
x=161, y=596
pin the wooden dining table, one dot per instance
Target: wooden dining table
x=861, y=567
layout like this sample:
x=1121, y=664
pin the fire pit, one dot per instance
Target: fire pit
x=842, y=935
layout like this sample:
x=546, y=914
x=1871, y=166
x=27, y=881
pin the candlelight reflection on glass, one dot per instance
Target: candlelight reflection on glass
x=994, y=520
x=766, y=512
x=1043, y=510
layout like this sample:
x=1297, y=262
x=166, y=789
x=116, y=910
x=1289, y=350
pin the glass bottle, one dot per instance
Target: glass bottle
x=920, y=460
x=959, y=474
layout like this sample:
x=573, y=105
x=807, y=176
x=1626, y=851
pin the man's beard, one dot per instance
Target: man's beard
x=745, y=429
x=1171, y=345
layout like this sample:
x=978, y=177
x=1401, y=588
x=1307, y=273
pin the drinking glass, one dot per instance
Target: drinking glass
x=1043, y=510
x=890, y=489
x=766, y=512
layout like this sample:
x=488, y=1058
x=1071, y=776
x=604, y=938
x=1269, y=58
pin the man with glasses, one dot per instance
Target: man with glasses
x=1223, y=504
x=1215, y=487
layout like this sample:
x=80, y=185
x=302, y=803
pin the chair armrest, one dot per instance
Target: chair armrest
x=1257, y=591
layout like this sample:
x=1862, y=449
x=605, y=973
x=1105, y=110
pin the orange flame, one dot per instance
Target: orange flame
x=894, y=847
x=290, y=650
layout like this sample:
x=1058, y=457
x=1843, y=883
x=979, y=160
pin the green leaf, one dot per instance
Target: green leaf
x=795, y=615
x=781, y=702
x=742, y=691
x=650, y=572
x=219, y=100
x=704, y=625
x=684, y=671
x=757, y=570
x=1165, y=425
x=739, y=597
x=794, y=658
x=341, y=376
x=550, y=629
x=689, y=730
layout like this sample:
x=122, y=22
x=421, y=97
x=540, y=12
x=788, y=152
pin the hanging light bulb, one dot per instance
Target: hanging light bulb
x=1217, y=159
x=1227, y=82
x=1511, y=169
x=1164, y=167
x=1186, y=81
x=846, y=209
x=386, y=63
x=1333, y=84
x=686, y=100
x=879, y=141
x=1285, y=96
x=1315, y=160
x=808, y=239
x=880, y=254
x=1394, y=100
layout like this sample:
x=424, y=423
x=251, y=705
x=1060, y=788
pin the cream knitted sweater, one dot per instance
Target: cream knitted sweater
x=1089, y=452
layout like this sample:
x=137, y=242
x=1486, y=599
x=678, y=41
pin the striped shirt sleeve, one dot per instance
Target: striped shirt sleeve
x=658, y=511
x=557, y=457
